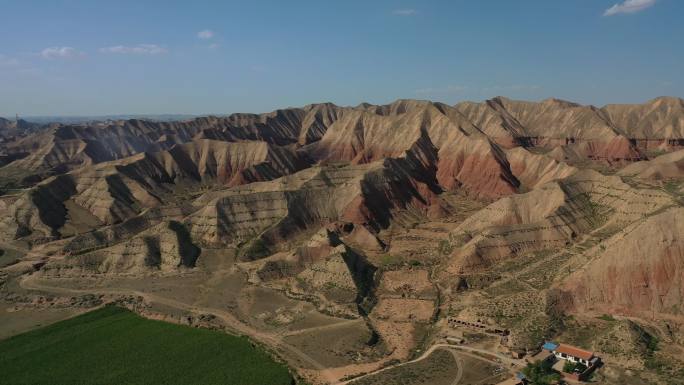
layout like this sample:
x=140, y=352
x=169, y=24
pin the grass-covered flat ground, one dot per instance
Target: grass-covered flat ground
x=114, y=346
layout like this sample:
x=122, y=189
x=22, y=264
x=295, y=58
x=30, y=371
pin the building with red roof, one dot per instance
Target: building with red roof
x=573, y=354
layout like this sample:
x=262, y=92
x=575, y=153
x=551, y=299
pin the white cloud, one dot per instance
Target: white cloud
x=206, y=34
x=214, y=46
x=61, y=53
x=629, y=6
x=404, y=12
x=140, y=49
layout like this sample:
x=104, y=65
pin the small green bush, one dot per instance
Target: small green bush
x=607, y=317
x=541, y=373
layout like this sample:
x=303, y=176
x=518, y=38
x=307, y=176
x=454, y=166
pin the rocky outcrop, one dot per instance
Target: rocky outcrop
x=111, y=192
x=166, y=247
x=364, y=194
x=227, y=163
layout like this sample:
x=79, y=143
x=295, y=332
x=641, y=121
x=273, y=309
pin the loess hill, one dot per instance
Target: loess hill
x=364, y=227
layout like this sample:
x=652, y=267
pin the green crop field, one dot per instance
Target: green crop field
x=114, y=346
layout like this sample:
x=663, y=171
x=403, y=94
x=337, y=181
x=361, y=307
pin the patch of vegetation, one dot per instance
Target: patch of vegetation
x=445, y=247
x=674, y=188
x=389, y=260
x=582, y=334
x=654, y=363
x=656, y=152
x=115, y=346
x=597, y=213
x=9, y=257
x=651, y=344
x=541, y=373
x=13, y=179
x=650, y=350
x=607, y=317
x=256, y=249
x=570, y=367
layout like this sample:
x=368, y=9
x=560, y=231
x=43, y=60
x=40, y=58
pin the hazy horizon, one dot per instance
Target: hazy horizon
x=181, y=116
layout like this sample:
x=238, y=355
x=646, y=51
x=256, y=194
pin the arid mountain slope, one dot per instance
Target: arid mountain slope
x=668, y=166
x=656, y=123
x=345, y=238
x=638, y=271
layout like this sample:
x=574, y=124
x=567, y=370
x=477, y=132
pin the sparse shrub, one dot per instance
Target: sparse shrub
x=654, y=363
x=607, y=317
x=445, y=247
x=568, y=367
x=388, y=260
x=255, y=249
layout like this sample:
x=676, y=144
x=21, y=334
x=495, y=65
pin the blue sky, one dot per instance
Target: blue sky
x=71, y=57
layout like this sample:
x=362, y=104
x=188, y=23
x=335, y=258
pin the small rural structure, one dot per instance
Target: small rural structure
x=477, y=325
x=586, y=361
x=570, y=353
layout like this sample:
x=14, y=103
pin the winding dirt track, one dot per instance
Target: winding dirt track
x=230, y=321
x=459, y=366
x=451, y=348
x=274, y=341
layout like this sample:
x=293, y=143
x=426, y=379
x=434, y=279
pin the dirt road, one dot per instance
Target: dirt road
x=27, y=282
x=462, y=349
x=272, y=340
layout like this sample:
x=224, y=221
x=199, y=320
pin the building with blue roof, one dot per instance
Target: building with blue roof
x=550, y=346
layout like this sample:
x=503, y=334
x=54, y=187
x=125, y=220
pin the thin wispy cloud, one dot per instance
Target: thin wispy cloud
x=404, y=12
x=7, y=62
x=140, y=49
x=61, y=53
x=15, y=66
x=214, y=46
x=206, y=34
x=629, y=6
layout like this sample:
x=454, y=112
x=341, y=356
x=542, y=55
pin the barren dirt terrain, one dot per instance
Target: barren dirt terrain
x=343, y=239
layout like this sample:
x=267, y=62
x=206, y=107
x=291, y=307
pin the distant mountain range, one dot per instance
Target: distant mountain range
x=102, y=118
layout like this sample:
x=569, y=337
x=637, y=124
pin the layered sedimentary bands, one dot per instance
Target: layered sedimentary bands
x=505, y=211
